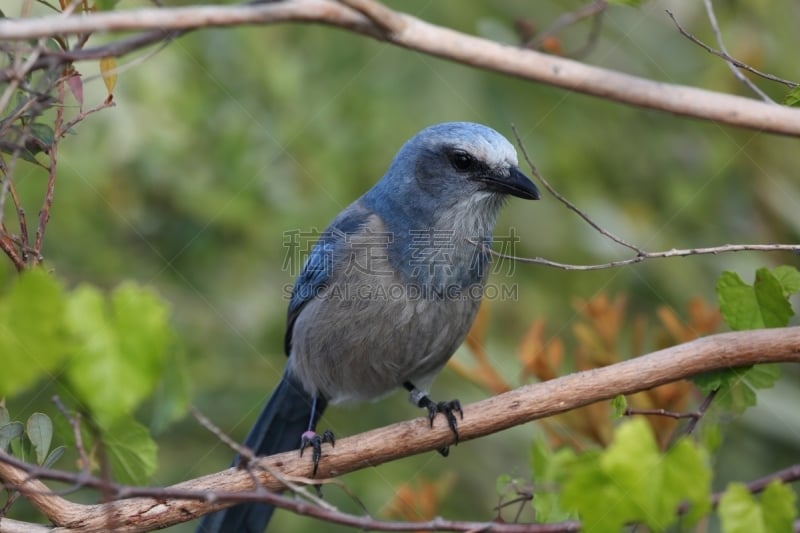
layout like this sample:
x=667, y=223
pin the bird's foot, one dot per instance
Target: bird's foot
x=310, y=439
x=449, y=410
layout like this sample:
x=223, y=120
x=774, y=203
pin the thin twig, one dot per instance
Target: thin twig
x=250, y=461
x=7, y=246
x=701, y=410
x=47, y=204
x=787, y=475
x=630, y=411
x=594, y=9
x=328, y=513
x=641, y=254
x=712, y=19
x=644, y=256
x=223, y=437
x=75, y=423
x=726, y=57
x=566, y=202
x=592, y=38
x=106, y=103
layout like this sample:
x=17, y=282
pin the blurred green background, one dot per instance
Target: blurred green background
x=228, y=138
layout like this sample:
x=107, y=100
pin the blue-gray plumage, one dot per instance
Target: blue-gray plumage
x=389, y=291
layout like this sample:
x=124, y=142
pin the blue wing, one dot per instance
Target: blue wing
x=321, y=263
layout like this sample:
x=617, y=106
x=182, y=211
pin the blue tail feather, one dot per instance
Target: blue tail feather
x=278, y=429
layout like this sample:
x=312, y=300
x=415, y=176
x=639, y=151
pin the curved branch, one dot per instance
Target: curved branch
x=377, y=21
x=202, y=495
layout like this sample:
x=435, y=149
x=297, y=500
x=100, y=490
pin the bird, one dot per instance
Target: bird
x=388, y=292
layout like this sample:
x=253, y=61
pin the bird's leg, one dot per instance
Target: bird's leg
x=310, y=439
x=448, y=409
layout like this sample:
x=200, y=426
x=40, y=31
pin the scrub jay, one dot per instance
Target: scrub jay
x=388, y=293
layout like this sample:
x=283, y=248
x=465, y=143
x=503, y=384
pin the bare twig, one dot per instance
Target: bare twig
x=415, y=34
x=630, y=411
x=142, y=510
x=566, y=202
x=52, y=153
x=105, y=104
x=251, y=462
x=184, y=496
x=730, y=60
x=701, y=410
x=644, y=256
x=787, y=475
x=75, y=423
x=593, y=9
x=8, y=248
x=223, y=437
x=641, y=254
x=712, y=19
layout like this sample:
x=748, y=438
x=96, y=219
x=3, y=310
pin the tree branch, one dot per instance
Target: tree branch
x=377, y=21
x=190, y=499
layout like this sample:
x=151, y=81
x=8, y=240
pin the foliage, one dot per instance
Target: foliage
x=30, y=441
x=763, y=304
x=741, y=512
x=108, y=356
x=631, y=481
x=642, y=474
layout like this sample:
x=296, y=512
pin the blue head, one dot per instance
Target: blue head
x=451, y=166
x=450, y=177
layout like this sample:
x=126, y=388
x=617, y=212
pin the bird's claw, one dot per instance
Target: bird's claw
x=310, y=439
x=449, y=410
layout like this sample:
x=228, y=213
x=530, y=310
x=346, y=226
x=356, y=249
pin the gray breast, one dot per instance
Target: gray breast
x=355, y=349
x=369, y=332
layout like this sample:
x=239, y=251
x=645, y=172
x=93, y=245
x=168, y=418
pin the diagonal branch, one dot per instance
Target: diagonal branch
x=190, y=499
x=410, y=32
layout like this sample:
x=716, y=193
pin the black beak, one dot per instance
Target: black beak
x=516, y=184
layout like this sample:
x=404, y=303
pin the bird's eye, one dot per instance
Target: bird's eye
x=461, y=160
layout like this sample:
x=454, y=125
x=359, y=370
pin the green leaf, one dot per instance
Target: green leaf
x=792, y=98
x=54, y=455
x=549, y=470
x=502, y=482
x=789, y=278
x=710, y=435
x=631, y=481
x=749, y=307
x=40, y=433
x=739, y=512
x=120, y=349
x=764, y=304
x=775, y=307
x=42, y=133
x=5, y=416
x=9, y=432
x=131, y=450
x=736, y=387
x=32, y=334
x=619, y=405
x=687, y=460
x=779, y=506
x=172, y=397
